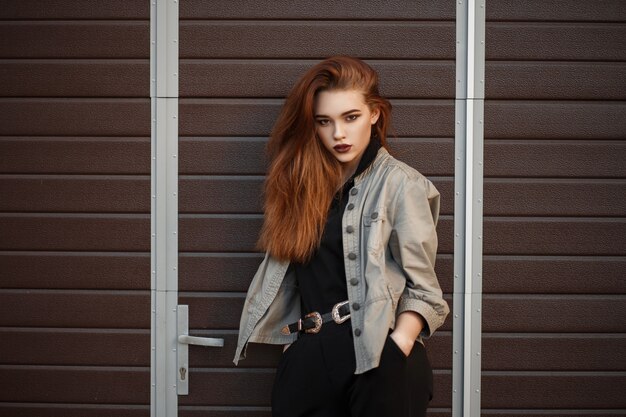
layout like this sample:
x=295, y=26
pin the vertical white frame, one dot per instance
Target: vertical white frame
x=164, y=206
x=468, y=207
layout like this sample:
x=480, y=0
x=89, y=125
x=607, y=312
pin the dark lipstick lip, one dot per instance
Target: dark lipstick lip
x=342, y=148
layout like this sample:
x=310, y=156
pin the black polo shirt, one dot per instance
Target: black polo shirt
x=322, y=280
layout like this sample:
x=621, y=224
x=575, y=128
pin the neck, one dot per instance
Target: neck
x=349, y=170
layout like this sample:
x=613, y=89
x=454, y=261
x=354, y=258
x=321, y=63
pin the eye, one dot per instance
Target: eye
x=322, y=122
x=352, y=117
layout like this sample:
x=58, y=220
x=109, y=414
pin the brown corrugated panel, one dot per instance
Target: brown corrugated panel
x=72, y=410
x=586, y=120
x=238, y=61
x=555, y=274
x=75, y=232
x=548, y=41
x=558, y=11
x=75, y=270
x=74, y=346
x=76, y=384
x=75, y=117
x=257, y=78
x=75, y=308
x=551, y=413
x=555, y=158
x=559, y=352
x=541, y=80
x=320, y=10
x=73, y=77
x=560, y=390
x=285, y=39
x=74, y=9
x=76, y=193
x=75, y=39
x=554, y=321
x=74, y=208
x=555, y=235
x=74, y=155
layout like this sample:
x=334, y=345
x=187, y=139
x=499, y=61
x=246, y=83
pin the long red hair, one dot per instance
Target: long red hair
x=303, y=176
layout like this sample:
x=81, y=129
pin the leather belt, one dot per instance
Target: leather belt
x=312, y=322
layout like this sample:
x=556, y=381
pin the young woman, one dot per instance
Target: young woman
x=348, y=282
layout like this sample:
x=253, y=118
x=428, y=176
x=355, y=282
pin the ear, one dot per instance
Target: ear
x=375, y=114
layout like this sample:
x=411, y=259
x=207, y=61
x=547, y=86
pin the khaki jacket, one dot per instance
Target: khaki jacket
x=389, y=263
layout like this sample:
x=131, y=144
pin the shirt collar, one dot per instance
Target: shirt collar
x=366, y=160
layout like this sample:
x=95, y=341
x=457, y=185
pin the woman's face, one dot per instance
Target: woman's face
x=343, y=123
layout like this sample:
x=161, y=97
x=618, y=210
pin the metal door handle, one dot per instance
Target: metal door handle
x=182, y=350
x=200, y=341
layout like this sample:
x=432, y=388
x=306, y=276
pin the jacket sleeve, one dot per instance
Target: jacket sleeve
x=413, y=244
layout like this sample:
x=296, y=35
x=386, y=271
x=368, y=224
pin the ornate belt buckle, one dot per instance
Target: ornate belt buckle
x=335, y=312
x=317, y=319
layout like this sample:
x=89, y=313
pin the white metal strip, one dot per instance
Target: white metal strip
x=458, y=328
x=164, y=207
x=468, y=208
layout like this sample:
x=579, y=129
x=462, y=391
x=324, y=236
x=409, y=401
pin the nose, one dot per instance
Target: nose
x=339, y=132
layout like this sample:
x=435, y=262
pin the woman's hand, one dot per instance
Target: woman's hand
x=409, y=325
x=404, y=343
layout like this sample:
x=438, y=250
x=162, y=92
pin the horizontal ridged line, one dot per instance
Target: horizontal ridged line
x=608, y=258
x=72, y=253
x=76, y=368
x=555, y=411
x=316, y=22
x=73, y=330
x=517, y=335
x=60, y=22
x=534, y=296
x=142, y=215
x=75, y=405
x=307, y=61
x=616, y=374
x=30, y=291
x=113, y=177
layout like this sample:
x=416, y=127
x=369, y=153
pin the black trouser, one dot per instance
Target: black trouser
x=315, y=378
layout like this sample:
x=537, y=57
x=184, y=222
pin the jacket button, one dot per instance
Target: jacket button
x=350, y=229
x=354, y=281
x=352, y=256
x=375, y=215
x=350, y=206
x=357, y=332
x=354, y=191
x=356, y=306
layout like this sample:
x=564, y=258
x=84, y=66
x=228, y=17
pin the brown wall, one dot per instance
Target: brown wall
x=555, y=209
x=74, y=208
x=237, y=63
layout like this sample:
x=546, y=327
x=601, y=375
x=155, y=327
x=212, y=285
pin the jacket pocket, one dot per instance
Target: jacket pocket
x=373, y=229
x=394, y=346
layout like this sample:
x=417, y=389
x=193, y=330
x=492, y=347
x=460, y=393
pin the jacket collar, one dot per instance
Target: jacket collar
x=381, y=156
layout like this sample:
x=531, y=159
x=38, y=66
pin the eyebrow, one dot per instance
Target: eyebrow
x=345, y=113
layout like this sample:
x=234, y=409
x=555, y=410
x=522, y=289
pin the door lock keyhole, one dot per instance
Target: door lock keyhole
x=183, y=372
